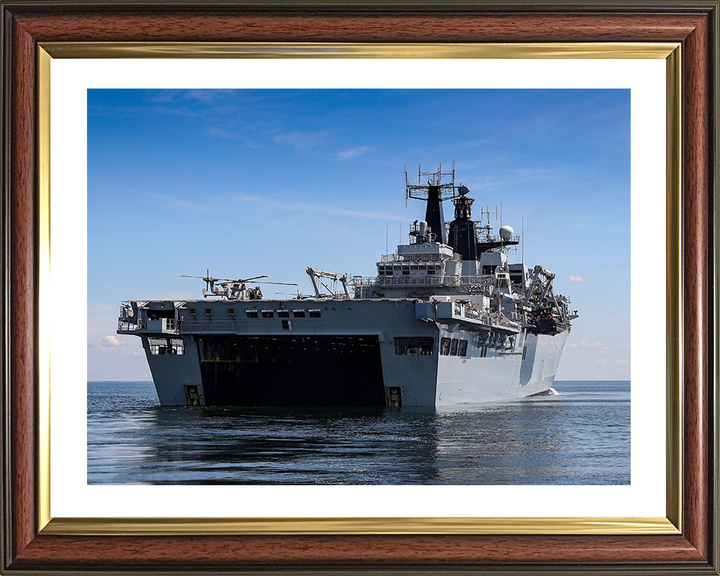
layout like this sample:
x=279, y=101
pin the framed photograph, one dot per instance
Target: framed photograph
x=73, y=71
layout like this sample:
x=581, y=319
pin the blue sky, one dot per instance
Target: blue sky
x=251, y=182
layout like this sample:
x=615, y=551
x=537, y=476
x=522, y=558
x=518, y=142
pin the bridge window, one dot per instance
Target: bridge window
x=178, y=346
x=251, y=313
x=267, y=314
x=208, y=311
x=231, y=311
x=157, y=346
x=444, y=346
x=283, y=314
x=462, y=348
x=414, y=346
x=299, y=313
x=314, y=313
x=193, y=311
x=454, y=347
x=158, y=314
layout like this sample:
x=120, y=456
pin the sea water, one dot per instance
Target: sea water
x=579, y=437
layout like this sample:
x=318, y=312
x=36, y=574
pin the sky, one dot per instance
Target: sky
x=252, y=182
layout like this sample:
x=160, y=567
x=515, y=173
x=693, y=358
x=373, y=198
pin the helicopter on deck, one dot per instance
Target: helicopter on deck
x=234, y=289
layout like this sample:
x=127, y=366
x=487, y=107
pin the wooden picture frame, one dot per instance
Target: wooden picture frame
x=29, y=545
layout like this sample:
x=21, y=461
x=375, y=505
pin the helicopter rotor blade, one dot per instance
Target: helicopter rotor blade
x=281, y=283
x=249, y=279
x=206, y=279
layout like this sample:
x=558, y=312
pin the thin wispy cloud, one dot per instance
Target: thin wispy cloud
x=519, y=176
x=201, y=95
x=303, y=140
x=174, y=111
x=576, y=279
x=310, y=208
x=98, y=239
x=190, y=206
x=600, y=347
x=353, y=152
x=207, y=95
x=537, y=172
x=216, y=132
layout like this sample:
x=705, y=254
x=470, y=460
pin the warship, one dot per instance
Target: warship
x=448, y=320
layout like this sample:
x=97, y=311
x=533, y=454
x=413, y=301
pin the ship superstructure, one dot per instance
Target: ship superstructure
x=448, y=320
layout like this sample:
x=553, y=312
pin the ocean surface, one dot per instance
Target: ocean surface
x=581, y=436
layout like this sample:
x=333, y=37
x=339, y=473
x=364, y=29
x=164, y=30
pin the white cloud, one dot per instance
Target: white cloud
x=111, y=343
x=577, y=279
x=353, y=152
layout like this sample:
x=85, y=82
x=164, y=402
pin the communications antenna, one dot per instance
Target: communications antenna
x=486, y=212
x=431, y=188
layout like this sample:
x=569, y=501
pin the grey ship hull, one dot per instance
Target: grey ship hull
x=334, y=352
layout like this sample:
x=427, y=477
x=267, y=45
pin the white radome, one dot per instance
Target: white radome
x=506, y=232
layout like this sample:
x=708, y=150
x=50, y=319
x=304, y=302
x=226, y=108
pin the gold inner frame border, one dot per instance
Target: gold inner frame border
x=671, y=524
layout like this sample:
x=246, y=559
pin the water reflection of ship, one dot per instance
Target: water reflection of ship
x=281, y=446
x=507, y=443
x=448, y=320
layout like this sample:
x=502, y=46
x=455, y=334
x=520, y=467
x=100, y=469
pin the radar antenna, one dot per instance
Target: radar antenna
x=434, y=192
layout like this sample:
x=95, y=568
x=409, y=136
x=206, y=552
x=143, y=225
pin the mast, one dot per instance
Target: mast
x=434, y=213
x=434, y=192
x=463, y=239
